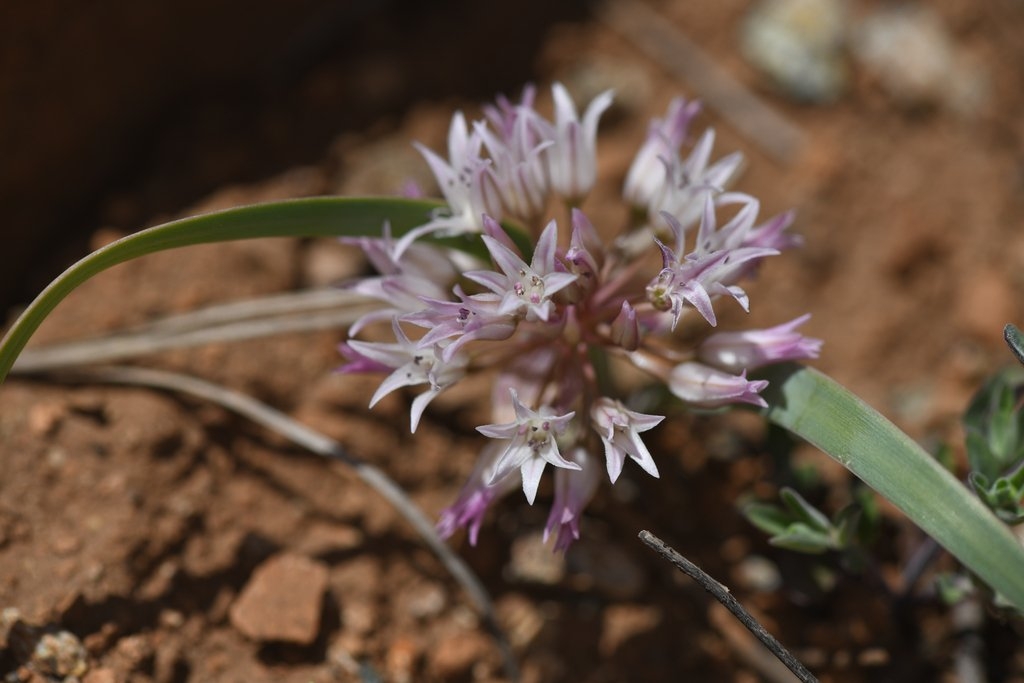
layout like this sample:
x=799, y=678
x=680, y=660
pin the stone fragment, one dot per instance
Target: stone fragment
x=623, y=623
x=757, y=573
x=60, y=655
x=799, y=45
x=534, y=561
x=455, y=654
x=282, y=601
x=45, y=417
x=912, y=54
x=402, y=659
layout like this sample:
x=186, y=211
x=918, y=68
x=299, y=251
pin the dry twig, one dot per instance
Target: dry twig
x=722, y=594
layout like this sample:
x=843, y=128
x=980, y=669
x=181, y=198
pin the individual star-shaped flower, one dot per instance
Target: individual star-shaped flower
x=411, y=364
x=619, y=429
x=531, y=445
x=525, y=289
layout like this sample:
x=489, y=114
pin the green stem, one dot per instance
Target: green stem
x=311, y=217
x=824, y=413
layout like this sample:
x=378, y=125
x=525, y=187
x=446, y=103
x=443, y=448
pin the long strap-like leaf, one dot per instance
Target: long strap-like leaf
x=310, y=217
x=823, y=412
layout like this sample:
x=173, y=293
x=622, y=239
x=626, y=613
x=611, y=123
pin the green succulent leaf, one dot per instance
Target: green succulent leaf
x=994, y=424
x=847, y=526
x=805, y=512
x=1003, y=496
x=770, y=519
x=802, y=538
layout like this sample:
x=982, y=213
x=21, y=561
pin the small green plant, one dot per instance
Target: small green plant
x=994, y=423
x=798, y=525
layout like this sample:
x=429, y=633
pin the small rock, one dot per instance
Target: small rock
x=911, y=54
x=359, y=616
x=799, y=45
x=531, y=559
x=172, y=619
x=454, y=654
x=60, y=655
x=401, y=659
x=322, y=539
x=758, y=573
x=282, y=601
x=427, y=601
x=44, y=418
x=135, y=652
x=623, y=623
x=872, y=657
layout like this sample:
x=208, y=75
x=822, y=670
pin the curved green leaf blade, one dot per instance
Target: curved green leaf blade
x=310, y=217
x=815, y=407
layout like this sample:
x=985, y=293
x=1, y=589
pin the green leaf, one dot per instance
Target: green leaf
x=311, y=217
x=770, y=519
x=979, y=455
x=847, y=526
x=828, y=416
x=803, y=539
x=994, y=425
x=804, y=511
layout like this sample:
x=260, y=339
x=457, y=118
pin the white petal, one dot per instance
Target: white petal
x=531, y=471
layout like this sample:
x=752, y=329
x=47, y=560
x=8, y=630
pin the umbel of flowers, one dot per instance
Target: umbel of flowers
x=539, y=319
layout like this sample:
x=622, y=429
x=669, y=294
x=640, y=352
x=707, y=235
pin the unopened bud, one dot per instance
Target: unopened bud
x=625, y=329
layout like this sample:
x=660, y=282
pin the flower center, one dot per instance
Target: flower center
x=529, y=287
x=659, y=292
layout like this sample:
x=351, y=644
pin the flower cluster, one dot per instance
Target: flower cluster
x=542, y=317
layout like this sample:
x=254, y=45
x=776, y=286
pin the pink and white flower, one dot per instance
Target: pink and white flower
x=411, y=365
x=476, y=497
x=544, y=312
x=573, y=490
x=532, y=444
x=752, y=349
x=619, y=429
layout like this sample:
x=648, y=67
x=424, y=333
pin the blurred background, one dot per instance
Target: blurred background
x=895, y=129
x=112, y=113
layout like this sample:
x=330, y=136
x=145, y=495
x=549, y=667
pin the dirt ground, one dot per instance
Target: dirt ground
x=142, y=522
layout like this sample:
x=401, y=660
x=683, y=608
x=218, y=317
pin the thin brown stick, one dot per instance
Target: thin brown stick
x=722, y=594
